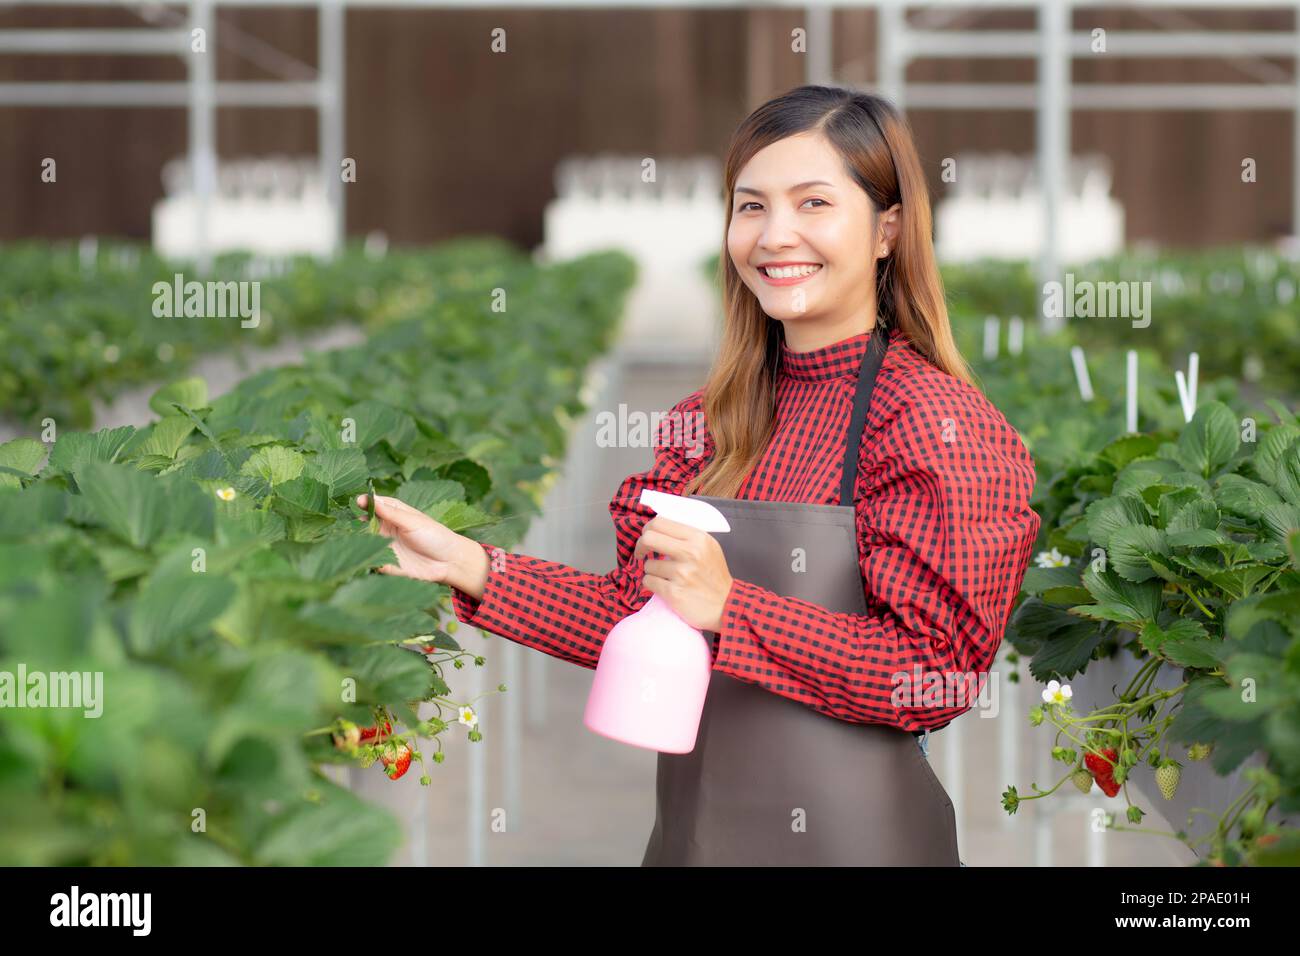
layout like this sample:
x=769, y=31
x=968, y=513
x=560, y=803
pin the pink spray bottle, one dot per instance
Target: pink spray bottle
x=654, y=668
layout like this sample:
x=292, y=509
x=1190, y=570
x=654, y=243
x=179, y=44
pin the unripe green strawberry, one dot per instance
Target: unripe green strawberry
x=1199, y=751
x=1083, y=780
x=1167, y=777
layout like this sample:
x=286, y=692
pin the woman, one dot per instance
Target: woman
x=878, y=504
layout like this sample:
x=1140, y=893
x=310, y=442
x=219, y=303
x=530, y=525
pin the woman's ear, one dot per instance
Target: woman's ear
x=887, y=231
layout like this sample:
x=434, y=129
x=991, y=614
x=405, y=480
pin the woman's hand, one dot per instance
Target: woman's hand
x=694, y=580
x=427, y=549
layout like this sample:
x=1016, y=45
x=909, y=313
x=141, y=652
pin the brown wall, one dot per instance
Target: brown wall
x=451, y=138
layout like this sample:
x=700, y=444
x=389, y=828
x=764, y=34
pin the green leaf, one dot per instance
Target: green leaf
x=302, y=496
x=1286, y=473
x=341, y=831
x=1203, y=654
x=1068, y=596
x=1281, y=520
x=1065, y=655
x=1142, y=474
x=1125, y=449
x=1129, y=550
x=130, y=503
x=1108, y=515
x=75, y=449
x=1240, y=496
x=342, y=470
x=175, y=604
x=1037, y=580
x=190, y=392
x=383, y=595
x=345, y=554
x=1198, y=513
x=164, y=438
x=1274, y=442
x=424, y=495
x=1140, y=601
x=1210, y=439
x=375, y=422
x=1153, y=637
x=459, y=516
x=23, y=454
x=274, y=463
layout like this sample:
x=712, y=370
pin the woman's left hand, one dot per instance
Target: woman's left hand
x=693, y=578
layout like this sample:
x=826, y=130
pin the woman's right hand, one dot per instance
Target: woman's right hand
x=427, y=549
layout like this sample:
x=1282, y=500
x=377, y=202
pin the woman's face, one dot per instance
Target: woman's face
x=795, y=205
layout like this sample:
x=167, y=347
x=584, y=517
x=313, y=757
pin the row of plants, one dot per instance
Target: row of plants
x=1180, y=548
x=214, y=568
x=1038, y=391
x=1238, y=307
x=78, y=325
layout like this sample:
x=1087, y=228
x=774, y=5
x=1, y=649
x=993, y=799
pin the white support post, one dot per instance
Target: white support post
x=330, y=83
x=891, y=53
x=1053, y=134
x=202, y=128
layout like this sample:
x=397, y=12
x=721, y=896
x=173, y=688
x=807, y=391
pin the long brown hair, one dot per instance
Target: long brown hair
x=876, y=145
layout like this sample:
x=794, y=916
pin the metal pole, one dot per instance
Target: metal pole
x=330, y=40
x=819, y=66
x=202, y=129
x=891, y=53
x=1053, y=136
x=1295, y=134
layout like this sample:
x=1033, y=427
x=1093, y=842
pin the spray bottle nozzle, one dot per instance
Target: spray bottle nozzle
x=689, y=511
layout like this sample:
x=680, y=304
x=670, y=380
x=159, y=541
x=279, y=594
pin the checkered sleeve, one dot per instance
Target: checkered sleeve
x=568, y=613
x=945, y=535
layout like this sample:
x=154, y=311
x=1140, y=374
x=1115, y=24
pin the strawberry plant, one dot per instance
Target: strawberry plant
x=1182, y=549
x=213, y=572
x=108, y=338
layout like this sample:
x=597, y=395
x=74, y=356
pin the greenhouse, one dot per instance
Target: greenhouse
x=677, y=433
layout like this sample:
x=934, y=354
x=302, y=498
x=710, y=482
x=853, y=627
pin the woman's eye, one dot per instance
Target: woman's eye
x=745, y=206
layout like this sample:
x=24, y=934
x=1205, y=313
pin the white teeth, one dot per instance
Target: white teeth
x=791, y=272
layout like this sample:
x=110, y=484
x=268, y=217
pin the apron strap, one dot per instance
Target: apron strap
x=871, y=362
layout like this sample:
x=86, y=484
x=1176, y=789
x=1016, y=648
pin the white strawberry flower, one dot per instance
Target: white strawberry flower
x=226, y=494
x=1055, y=693
x=1052, y=559
x=467, y=716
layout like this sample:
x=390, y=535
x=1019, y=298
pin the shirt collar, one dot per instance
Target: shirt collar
x=839, y=360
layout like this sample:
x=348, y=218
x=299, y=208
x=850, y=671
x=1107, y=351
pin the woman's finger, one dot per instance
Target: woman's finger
x=404, y=520
x=664, y=570
x=652, y=540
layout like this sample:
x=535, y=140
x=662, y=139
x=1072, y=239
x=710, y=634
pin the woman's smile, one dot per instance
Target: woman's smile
x=788, y=275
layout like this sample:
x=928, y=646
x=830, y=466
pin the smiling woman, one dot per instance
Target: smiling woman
x=878, y=508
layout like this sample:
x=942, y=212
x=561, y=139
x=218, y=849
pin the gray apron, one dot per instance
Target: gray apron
x=772, y=781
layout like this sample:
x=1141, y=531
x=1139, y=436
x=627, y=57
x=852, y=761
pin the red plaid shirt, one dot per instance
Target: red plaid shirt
x=945, y=535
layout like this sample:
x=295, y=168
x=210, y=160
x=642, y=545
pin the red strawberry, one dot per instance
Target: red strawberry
x=1102, y=769
x=368, y=733
x=396, y=761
